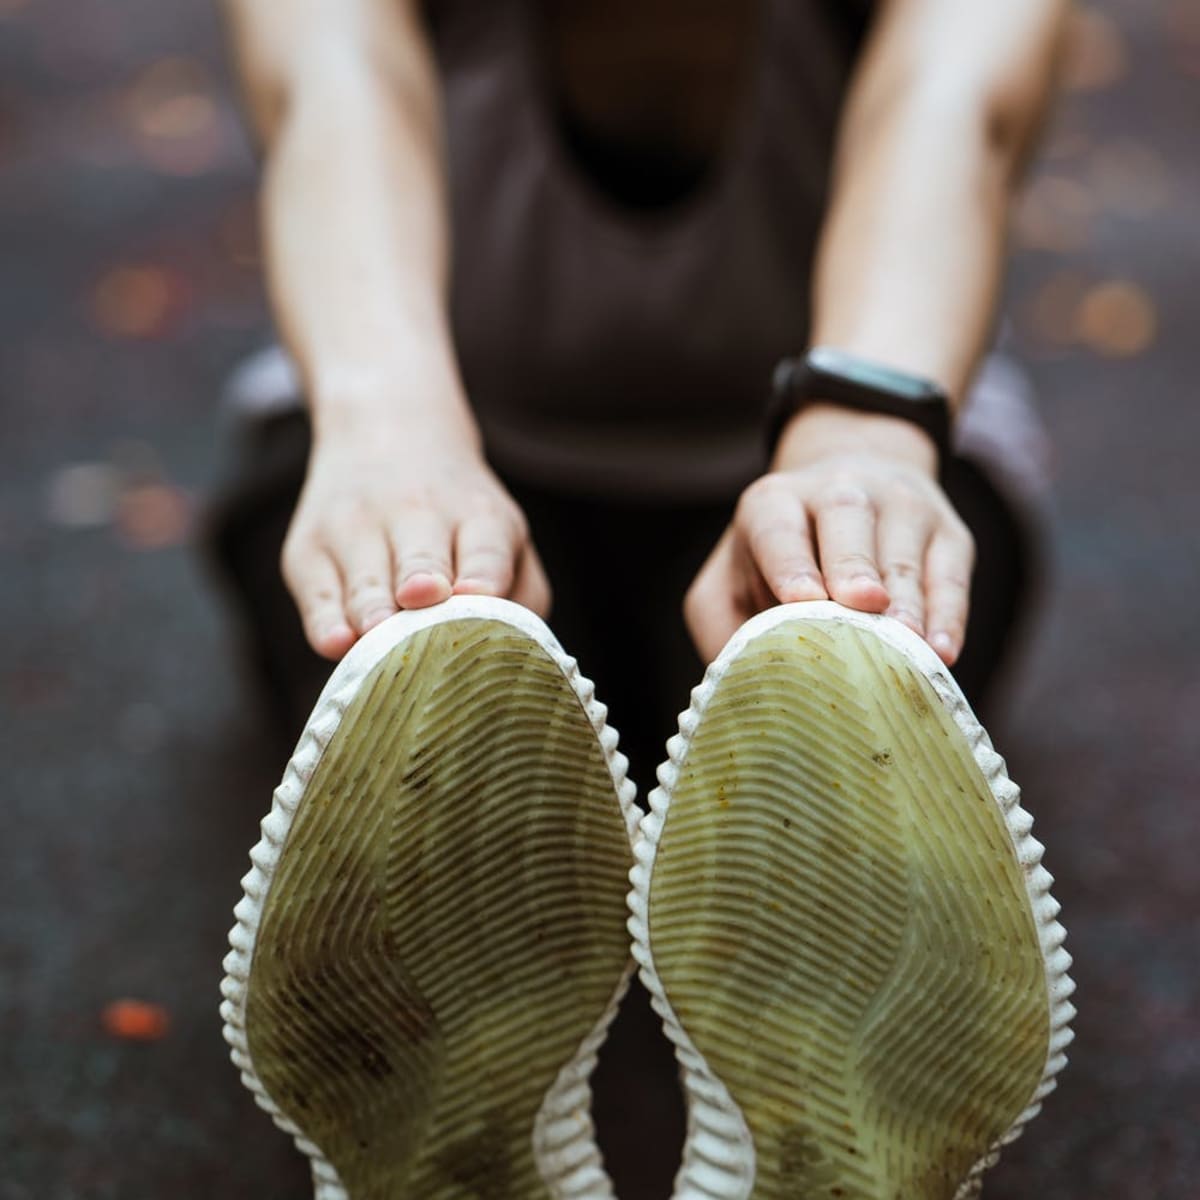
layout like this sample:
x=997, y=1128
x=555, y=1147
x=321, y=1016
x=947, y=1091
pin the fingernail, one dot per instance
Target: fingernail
x=943, y=644
x=433, y=576
x=335, y=634
x=424, y=583
x=869, y=580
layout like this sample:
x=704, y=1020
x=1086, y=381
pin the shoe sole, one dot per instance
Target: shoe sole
x=432, y=942
x=842, y=918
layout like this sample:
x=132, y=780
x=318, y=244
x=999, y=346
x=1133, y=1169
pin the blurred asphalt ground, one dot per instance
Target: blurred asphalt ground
x=135, y=769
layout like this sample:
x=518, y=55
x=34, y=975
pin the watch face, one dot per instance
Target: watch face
x=872, y=375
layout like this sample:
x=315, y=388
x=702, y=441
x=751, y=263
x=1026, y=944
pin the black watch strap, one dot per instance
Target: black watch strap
x=825, y=375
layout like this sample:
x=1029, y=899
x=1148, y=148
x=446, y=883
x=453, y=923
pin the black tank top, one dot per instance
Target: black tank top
x=605, y=351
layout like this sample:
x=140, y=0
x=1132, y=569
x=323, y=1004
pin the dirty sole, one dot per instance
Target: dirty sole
x=842, y=917
x=431, y=943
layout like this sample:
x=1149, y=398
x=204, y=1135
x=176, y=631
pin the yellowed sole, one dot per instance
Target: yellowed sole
x=840, y=927
x=443, y=932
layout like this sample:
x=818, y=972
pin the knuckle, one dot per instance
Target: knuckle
x=960, y=561
x=488, y=554
x=511, y=520
x=766, y=490
x=483, y=501
x=953, y=582
x=316, y=603
x=424, y=558
x=775, y=528
x=518, y=525
x=366, y=585
x=415, y=498
x=499, y=515
x=853, y=560
x=904, y=569
x=770, y=486
x=957, y=533
x=694, y=603
x=844, y=490
x=296, y=550
x=541, y=595
x=904, y=496
x=348, y=513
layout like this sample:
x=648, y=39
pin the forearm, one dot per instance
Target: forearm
x=911, y=254
x=940, y=116
x=355, y=231
x=936, y=127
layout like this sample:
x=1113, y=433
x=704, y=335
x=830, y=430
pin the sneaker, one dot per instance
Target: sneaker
x=844, y=923
x=432, y=941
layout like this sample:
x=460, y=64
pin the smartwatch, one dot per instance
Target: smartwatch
x=828, y=376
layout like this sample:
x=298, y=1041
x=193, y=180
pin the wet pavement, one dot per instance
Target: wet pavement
x=135, y=767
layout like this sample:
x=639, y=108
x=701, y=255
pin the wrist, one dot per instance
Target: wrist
x=388, y=408
x=821, y=431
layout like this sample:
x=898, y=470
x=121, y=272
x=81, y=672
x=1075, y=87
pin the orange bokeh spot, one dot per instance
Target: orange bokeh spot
x=135, y=1020
x=173, y=108
x=1117, y=319
x=172, y=97
x=152, y=516
x=137, y=301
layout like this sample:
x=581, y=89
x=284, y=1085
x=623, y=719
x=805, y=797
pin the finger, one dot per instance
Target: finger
x=422, y=552
x=948, y=567
x=316, y=587
x=904, y=532
x=845, y=522
x=485, y=550
x=365, y=562
x=774, y=525
x=530, y=585
x=715, y=605
x=751, y=593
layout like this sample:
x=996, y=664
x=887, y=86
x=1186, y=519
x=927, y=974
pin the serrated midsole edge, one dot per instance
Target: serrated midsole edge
x=571, y=1086
x=730, y=1174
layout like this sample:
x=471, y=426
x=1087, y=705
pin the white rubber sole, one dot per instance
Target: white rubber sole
x=841, y=915
x=430, y=946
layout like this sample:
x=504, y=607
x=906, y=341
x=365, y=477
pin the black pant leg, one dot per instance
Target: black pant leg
x=1002, y=586
x=619, y=573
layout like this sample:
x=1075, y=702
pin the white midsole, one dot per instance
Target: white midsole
x=563, y=1135
x=719, y=1162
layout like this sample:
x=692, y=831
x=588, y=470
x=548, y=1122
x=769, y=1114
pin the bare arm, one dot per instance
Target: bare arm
x=938, y=123
x=398, y=508
x=941, y=114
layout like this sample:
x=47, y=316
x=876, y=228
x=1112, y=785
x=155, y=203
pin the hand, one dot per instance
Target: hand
x=852, y=512
x=384, y=524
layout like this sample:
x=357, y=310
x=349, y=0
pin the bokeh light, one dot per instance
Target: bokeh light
x=172, y=108
x=1117, y=319
x=138, y=300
